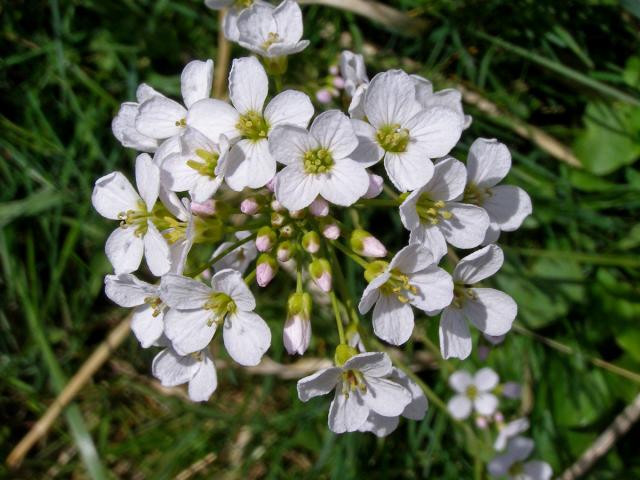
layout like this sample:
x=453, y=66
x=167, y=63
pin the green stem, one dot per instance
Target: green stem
x=336, y=312
x=251, y=277
x=298, y=276
x=351, y=254
x=342, y=285
x=220, y=256
x=376, y=202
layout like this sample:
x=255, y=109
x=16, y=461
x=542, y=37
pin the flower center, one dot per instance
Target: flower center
x=253, y=126
x=472, y=392
x=240, y=4
x=399, y=286
x=271, y=39
x=136, y=219
x=318, y=160
x=181, y=123
x=460, y=294
x=207, y=164
x=156, y=304
x=392, y=138
x=352, y=380
x=516, y=469
x=220, y=305
x=476, y=195
x=431, y=212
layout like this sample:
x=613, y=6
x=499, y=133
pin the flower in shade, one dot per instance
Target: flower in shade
x=238, y=259
x=509, y=431
x=198, y=310
x=399, y=129
x=318, y=162
x=115, y=198
x=248, y=123
x=272, y=32
x=435, y=216
x=296, y=334
x=196, y=369
x=449, y=97
x=512, y=463
x=124, y=123
x=362, y=385
x=233, y=8
x=411, y=279
x=489, y=310
x=354, y=73
x=488, y=163
x=473, y=393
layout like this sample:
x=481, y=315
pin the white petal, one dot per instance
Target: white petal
x=449, y=180
x=492, y=235
x=124, y=250
x=188, y=330
x=289, y=108
x=246, y=337
x=392, y=320
x=230, y=24
x=127, y=291
x=156, y=251
x=144, y=92
x=205, y=381
x=347, y=413
x=455, y=339
x=408, y=170
x=288, y=17
x=371, y=293
x=435, y=131
x=196, y=81
x=183, y=292
x=283, y=49
x=485, y=379
x=378, y=425
x=431, y=237
x=124, y=129
x=508, y=206
x=460, y=380
x=353, y=70
x=485, y=403
x=205, y=188
x=147, y=328
x=288, y=144
x=424, y=89
x=408, y=214
x=345, y=184
x=214, y=118
x=295, y=189
x=479, y=265
x=113, y=194
x=372, y=364
x=508, y=431
x=177, y=175
x=168, y=147
x=417, y=408
x=519, y=448
x=537, y=470
x=368, y=152
x=248, y=85
x=390, y=99
x=172, y=369
x=500, y=465
x=459, y=407
x=435, y=289
x=488, y=162
x=385, y=397
x=333, y=130
x=159, y=117
x=320, y=383
x=467, y=227
x=147, y=179
x=412, y=259
x=230, y=282
x=254, y=25
x=250, y=164
x=491, y=311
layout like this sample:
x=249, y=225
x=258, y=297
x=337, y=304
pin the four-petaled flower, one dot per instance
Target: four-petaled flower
x=473, y=393
x=512, y=463
x=197, y=369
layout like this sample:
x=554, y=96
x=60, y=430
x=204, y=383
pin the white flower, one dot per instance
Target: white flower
x=412, y=278
x=128, y=291
x=473, y=393
x=354, y=73
x=160, y=117
x=449, y=97
x=402, y=131
x=124, y=123
x=197, y=369
x=199, y=168
x=197, y=311
x=115, y=198
x=361, y=387
x=238, y=259
x=490, y=311
x=249, y=163
x=509, y=431
x=318, y=162
x=272, y=32
x=415, y=410
x=233, y=9
x=488, y=163
x=181, y=233
x=512, y=465
x=434, y=215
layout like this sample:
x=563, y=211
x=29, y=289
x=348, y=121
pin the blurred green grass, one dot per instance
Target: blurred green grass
x=573, y=268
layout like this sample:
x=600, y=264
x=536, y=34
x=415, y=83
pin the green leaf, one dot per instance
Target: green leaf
x=629, y=341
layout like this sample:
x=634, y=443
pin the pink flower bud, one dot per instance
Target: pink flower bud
x=375, y=186
x=311, y=242
x=249, y=206
x=320, y=271
x=323, y=96
x=338, y=82
x=334, y=70
x=265, y=239
x=276, y=206
x=498, y=417
x=271, y=185
x=319, y=207
x=297, y=329
x=264, y=274
x=284, y=251
x=331, y=231
x=365, y=244
x=481, y=423
x=204, y=209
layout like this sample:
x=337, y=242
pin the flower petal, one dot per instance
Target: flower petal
x=333, y=130
x=250, y=165
x=196, y=81
x=460, y=380
x=289, y=143
x=368, y=152
x=455, y=338
x=214, y=118
x=345, y=184
x=449, y=180
x=537, y=470
x=431, y=237
x=156, y=251
x=113, y=194
x=183, y=292
x=347, y=413
x=491, y=311
x=488, y=162
x=435, y=131
x=320, y=383
x=173, y=369
x=188, y=330
x=124, y=250
x=467, y=227
x=146, y=327
x=147, y=179
x=371, y=293
x=392, y=320
x=295, y=189
x=408, y=170
x=417, y=408
x=435, y=289
x=486, y=379
x=288, y=17
x=289, y=108
x=412, y=259
x=160, y=117
x=372, y=364
x=459, y=407
x=124, y=129
x=246, y=337
x=248, y=85
x=230, y=282
x=390, y=99
x=378, y=425
x=508, y=206
x=385, y=397
x=127, y=291
x=485, y=403
x=205, y=381
x=408, y=213
x=479, y=265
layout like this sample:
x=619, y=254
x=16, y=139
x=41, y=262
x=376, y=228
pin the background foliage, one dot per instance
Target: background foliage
x=573, y=267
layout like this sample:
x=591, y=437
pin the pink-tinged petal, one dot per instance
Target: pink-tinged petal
x=124, y=250
x=246, y=337
x=160, y=117
x=196, y=81
x=488, y=162
x=289, y=108
x=113, y=194
x=189, y=330
x=491, y=311
x=479, y=265
x=508, y=206
x=393, y=320
x=320, y=383
x=248, y=85
x=455, y=338
x=459, y=407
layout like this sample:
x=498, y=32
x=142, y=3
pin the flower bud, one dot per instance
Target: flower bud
x=311, y=242
x=265, y=239
x=266, y=269
x=323, y=96
x=297, y=329
x=331, y=231
x=297, y=214
x=498, y=417
x=481, y=423
x=338, y=82
x=271, y=185
x=334, y=70
x=344, y=353
x=204, y=209
x=285, y=251
x=286, y=231
x=276, y=206
x=277, y=219
x=249, y=206
x=363, y=243
x=319, y=207
x=375, y=186
x=320, y=271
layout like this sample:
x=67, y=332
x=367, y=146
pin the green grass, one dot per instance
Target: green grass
x=571, y=68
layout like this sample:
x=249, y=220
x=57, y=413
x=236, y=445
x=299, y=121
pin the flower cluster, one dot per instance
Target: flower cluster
x=264, y=184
